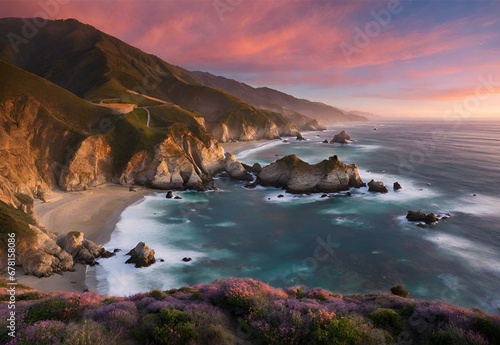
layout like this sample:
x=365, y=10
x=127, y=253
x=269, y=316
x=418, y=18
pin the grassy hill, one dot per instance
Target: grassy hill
x=97, y=66
x=70, y=111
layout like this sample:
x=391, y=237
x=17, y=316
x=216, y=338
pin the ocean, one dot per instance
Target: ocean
x=360, y=243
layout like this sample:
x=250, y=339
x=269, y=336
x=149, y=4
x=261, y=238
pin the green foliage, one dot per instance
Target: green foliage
x=340, y=331
x=54, y=309
x=28, y=296
x=387, y=319
x=399, y=290
x=16, y=221
x=490, y=328
x=109, y=300
x=89, y=333
x=347, y=331
x=196, y=296
x=144, y=331
x=176, y=328
x=157, y=294
x=72, y=111
x=407, y=310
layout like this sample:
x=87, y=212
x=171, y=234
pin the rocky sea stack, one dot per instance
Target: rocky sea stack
x=141, y=255
x=377, y=186
x=342, y=138
x=297, y=176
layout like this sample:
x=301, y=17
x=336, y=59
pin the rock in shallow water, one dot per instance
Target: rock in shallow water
x=342, y=138
x=415, y=216
x=141, y=255
x=419, y=216
x=377, y=186
x=297, y=176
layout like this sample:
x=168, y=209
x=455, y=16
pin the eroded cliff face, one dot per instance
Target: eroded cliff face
x=29, y=147
x=46, y=143
x=297, y=176
x=90, y=166
x=181, y=161
x=243, y=132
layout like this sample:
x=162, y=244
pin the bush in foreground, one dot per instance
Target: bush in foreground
x=245, y=311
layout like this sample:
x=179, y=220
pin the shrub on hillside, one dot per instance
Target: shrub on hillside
x=399, y=290
x=387, y=319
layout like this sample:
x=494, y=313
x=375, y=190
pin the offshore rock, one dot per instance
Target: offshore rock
x=416, y=216
x=377, y=186
x=141, y=256
x=297, y=176
x=342, y=138
x=235, y=169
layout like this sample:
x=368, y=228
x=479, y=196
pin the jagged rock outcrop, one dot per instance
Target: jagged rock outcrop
x=27, y=149
x=181, y=161
x=255, y=168
x=430, y=218
x=90, y=166
x=415, y=216
x=297, y=176
x=377, y=186
x=342, y=138
x=419, y=216
x=300, y=137
x=227, y=132
x=235, y=169
x=40, y=255
x=141, y=255
x=304, y=123
x=397, y=186
x=81, y=249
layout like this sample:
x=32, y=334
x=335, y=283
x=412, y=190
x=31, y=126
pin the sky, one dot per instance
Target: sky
x=392, y=58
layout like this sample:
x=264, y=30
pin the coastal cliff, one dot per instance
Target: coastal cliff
x=105, y=70
x=297, y=176
x=51, y=139
x=180, y=161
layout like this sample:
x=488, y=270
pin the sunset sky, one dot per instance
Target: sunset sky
x=413, y=58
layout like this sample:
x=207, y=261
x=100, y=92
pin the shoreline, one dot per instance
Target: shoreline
x=241, y=146
x=95, y=212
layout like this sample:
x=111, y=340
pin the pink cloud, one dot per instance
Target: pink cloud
x=297, y=43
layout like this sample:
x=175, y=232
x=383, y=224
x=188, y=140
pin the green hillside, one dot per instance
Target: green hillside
x=97, y=66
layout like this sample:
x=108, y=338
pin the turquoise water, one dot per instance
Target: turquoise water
x=356, y=244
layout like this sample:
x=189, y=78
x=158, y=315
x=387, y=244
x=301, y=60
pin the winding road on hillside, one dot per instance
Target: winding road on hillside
x=149, y=116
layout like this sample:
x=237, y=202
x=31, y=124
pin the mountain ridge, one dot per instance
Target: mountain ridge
x=97, y=66
x=278, y=101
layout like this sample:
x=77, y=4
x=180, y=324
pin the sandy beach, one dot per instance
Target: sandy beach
x=94, y=212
